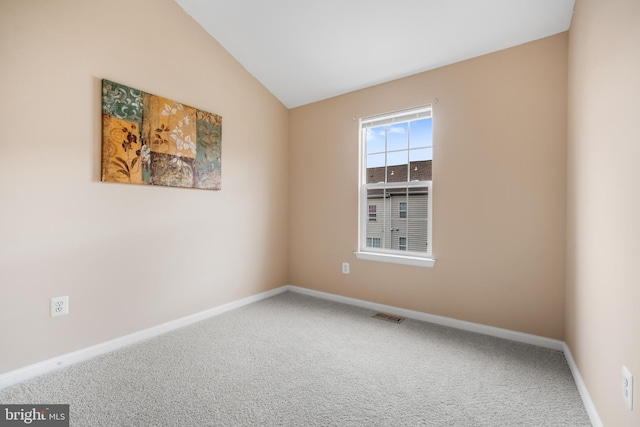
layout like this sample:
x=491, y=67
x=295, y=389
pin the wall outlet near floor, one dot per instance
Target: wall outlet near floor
x=59, y=306
x=345, y=268
x=627, y=387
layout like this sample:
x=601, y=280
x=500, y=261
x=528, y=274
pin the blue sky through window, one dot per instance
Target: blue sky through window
x=402, y=141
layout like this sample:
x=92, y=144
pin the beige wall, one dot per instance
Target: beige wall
x=603, y=245
x=499, y=191
x=129, y=257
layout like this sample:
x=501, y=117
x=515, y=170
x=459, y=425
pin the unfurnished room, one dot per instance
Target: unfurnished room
x=337, y=213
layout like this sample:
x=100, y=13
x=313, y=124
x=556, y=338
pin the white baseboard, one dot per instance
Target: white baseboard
x=439, y=320
x=22, y=374
x=31, y=371
x=582, y=389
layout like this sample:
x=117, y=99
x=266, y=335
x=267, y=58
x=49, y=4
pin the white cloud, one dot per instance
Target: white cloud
x=398, y=129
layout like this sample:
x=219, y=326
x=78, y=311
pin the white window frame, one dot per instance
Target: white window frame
x=423, y=259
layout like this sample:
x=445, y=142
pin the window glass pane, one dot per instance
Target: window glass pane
x=375, y=168
x=397, y=158
x=397, y=226
x=375, y=160
x=376, y=229
x=397, y=136
x=420, y=171
x=421, y=154
x=421, y=133
x=397, y=173
x=417, y=230
x=375, y=140
x=418, y=203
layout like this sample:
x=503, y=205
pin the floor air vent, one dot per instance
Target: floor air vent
x=389, y=317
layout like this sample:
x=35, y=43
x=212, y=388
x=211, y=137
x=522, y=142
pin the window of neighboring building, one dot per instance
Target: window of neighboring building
x=373, y=242
x=402, y=243
x=396, y=187
x=372, y=212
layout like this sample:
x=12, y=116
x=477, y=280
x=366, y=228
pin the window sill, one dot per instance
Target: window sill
x=396, y=259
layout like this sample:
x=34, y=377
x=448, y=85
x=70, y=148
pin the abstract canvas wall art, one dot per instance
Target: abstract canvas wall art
x=148, y=139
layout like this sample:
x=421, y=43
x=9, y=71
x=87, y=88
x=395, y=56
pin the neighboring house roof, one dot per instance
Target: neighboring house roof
x=419, y=171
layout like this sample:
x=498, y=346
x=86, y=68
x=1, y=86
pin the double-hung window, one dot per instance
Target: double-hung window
x=402, y=243
x=403, y=210
x=396, y=183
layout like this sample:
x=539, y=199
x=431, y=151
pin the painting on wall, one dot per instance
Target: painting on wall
x=148, y=139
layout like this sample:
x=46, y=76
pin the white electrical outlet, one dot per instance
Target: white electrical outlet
x=627, y=387
x=59, y=306
x=345, y=268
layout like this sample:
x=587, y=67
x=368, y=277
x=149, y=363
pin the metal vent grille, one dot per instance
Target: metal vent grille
x=389, y=317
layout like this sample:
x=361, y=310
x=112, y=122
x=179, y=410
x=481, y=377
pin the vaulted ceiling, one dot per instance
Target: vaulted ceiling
x=306, y=51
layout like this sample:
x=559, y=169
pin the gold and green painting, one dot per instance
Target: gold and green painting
x=148, y=139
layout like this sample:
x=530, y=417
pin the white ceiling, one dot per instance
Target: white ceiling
x=305, y=51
